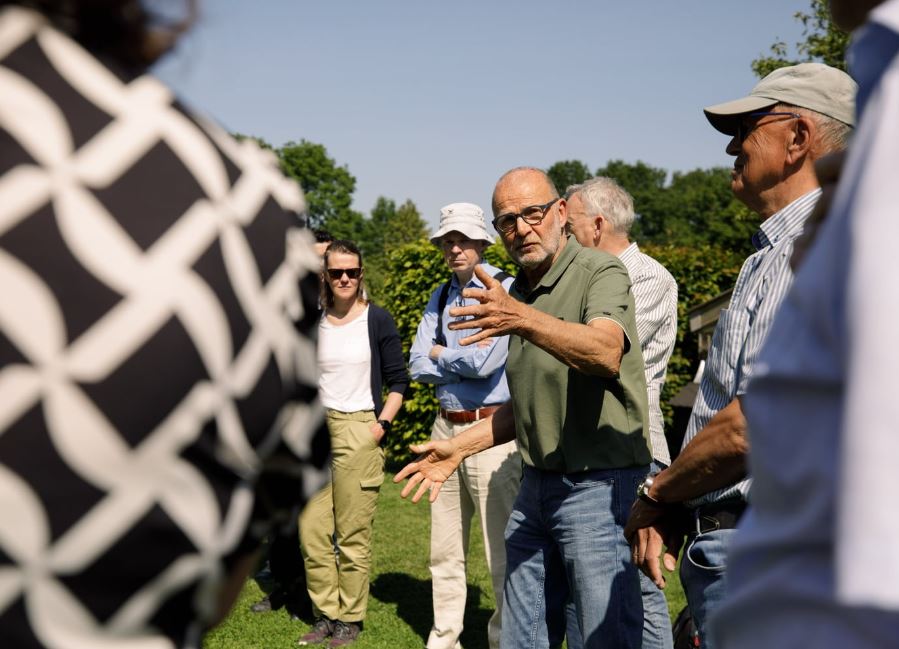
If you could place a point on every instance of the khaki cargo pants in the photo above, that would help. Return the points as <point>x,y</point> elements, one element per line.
<point>344,510</point>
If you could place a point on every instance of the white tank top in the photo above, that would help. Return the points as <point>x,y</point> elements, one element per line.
<point>344,361</point>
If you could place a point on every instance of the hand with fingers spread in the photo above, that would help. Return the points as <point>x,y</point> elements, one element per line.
<point>497,314</point>
<point>435,463</point>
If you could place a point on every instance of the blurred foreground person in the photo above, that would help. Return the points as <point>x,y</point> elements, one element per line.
<point>789,120</point>
<point>158,404</point>
<point>814,563</point>
<point>359,355</point>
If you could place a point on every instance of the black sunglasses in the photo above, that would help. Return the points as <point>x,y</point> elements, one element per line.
<point>337,273</point>
<point>532,215</point>
<point>743,130</point>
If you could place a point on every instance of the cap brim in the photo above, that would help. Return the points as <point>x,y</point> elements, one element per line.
<point>726,117</point>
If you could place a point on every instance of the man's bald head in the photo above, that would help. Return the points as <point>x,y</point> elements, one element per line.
<point>528,179</point>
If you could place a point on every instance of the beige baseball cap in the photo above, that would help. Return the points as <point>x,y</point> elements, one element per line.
<point>814,86</point>
<point>466,218</point>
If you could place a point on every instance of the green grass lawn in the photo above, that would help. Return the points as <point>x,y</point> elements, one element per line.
<point>399,609</point>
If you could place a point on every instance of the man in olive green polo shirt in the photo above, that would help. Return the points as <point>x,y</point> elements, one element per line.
<point>578,408</point>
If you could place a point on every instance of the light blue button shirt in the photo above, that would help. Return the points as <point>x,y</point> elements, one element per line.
<point>742,327</point>
<point>466,377</point>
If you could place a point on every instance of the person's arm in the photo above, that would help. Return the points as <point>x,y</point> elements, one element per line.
<point>714,459</point>
<point>592,348</point>
<point>393,371</point>
<point>423,365</point>
<point>438,459</point>
<point>475,361</point>
<point>392,405</point>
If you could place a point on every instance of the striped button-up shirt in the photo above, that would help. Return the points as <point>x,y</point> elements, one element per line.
<point>743,326</point>
<point>655,298</point>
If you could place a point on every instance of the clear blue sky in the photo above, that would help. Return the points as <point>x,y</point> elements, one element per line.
<point>433,101</point>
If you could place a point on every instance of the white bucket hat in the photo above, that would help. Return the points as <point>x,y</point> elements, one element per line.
<point>466,218</point>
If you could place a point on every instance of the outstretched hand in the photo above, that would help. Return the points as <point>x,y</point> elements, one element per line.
<point>434,465</point>
<point>497,314</point>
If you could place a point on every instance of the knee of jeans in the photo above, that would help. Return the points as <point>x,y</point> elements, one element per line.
<point>708,551</point>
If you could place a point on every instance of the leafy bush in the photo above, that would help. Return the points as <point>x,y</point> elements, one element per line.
<point>701,273</point>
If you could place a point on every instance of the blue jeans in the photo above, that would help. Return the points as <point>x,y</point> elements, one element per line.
<point>702,572</point>
<point>656,620</point>
<point>565,539</point>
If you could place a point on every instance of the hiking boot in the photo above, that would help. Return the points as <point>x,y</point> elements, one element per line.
<point>344,633</point>
<point>321,631</point>
<point>264,605</point>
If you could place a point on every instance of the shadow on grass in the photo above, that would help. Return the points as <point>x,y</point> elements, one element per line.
<point>413,599</point>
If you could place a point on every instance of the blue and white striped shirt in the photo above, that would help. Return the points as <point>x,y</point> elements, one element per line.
<point>655,299</point>
<point>743,326</point>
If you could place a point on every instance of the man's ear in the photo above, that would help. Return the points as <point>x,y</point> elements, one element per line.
<point>563,213</point>
<point>598,222</point>
<point>801,140</point>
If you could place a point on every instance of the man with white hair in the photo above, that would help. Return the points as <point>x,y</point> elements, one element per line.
<point>789,120</point>
<point>471,385</point>
<point>600,216</point>
<point>813,563</point>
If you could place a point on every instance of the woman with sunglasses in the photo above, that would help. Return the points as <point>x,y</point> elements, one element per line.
<point>359,353</point>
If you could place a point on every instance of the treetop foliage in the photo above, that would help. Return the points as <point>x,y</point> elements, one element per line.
<point>823,42</point>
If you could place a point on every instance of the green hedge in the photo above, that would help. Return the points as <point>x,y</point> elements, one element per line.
<point>413,272</point>
<point>701,273</point>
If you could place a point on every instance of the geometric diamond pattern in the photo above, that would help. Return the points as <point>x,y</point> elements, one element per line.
<point>157,363</point>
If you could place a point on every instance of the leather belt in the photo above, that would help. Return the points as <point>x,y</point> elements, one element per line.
<point>468,416</point>
<point>719,516</point>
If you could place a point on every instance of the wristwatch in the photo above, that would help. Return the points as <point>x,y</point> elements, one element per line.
<point>385,426</point>
<point>643,491</point>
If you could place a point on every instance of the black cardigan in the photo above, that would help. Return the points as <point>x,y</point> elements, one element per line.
<point>386,355</point>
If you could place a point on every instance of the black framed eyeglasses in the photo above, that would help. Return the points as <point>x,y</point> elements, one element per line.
<point>532,215</point>
<point>337,273</point>
<point>743,130</point>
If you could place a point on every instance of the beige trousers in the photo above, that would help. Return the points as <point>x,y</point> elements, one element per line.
<point>345,510</point>
<point>485,484</point>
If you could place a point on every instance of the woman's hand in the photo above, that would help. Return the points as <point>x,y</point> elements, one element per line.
<point>377,432</point>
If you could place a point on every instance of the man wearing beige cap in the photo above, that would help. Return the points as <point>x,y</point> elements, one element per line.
<point>791,118</point>
<point>471,384</point>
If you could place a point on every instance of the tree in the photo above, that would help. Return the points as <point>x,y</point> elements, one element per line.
<point>258,140</point>
<point>822,41</point>
<point>567,173</point>
<point>388,228</point>
<point>327,186</point>
<point>703,211</point>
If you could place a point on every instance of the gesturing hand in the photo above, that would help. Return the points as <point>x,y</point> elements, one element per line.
<point>497,314</point>
<point>434,465</point>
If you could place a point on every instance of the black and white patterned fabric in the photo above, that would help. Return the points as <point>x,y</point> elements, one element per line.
<point>157,377</point>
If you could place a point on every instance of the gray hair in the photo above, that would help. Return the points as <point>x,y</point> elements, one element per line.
<point>833,135</point>
<point>602,195</point>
